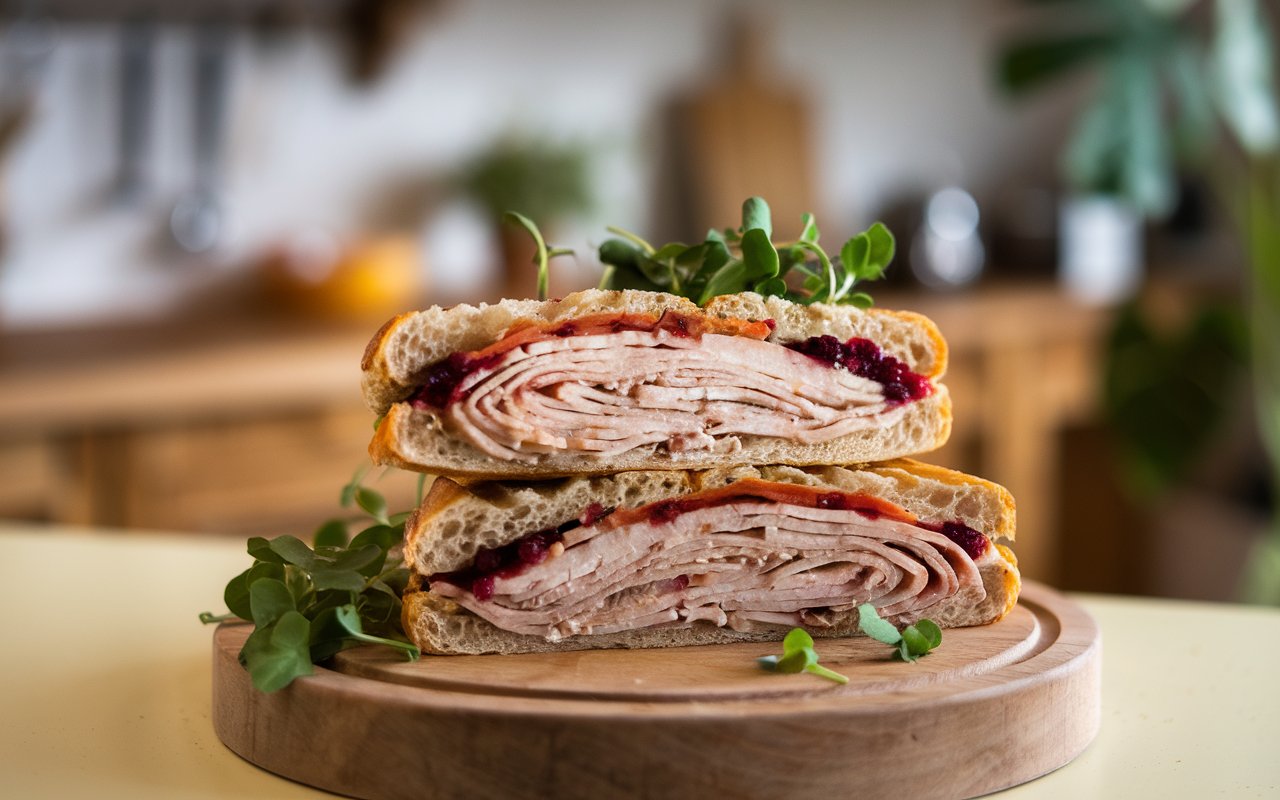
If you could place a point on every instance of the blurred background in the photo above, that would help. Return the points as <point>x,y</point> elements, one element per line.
<point>208,208</point>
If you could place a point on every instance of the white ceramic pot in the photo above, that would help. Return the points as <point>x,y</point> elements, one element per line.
<point>1099,248</point>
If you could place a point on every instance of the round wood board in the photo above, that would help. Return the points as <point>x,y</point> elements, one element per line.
<point>993,707</point>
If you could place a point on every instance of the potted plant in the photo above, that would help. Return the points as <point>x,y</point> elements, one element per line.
<point>1183,80</point>
<point>1152,105</point>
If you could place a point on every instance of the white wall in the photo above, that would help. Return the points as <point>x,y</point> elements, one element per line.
<point>904,91</point>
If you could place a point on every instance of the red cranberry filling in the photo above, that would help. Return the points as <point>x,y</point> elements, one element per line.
<point>515,557</point>
<point>969,540</point>
<point>440,388</point>
<point>865,359</point>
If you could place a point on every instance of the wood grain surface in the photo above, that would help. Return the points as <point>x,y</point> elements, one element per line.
<point>993,707</point>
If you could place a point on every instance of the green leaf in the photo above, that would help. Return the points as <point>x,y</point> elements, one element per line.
<point>260,549</point>
<point>809,228</point>
<point>619,254</point>
<point>655,271</point>
<point>670,251</point>
<point>384,536</point>
<point>771,287</point>
<point>298,584</point>
<point>373,504</point>
<point>397,579</point>
<point>728,279</point>
<point>346,580</point>
<point>859,299</point>
<point>799,656</point>
<point>915,641</point>
<point>758,256</point>
<point>904,653</point>
<point>931,632</point>
<point>797,660</point>
<point>269,600</point>
<point>875,627</point>
<point>236,595</point>
<point>328,636</point>
<point>358,557</point>
<point>823,282</point>
<point>294,551</point>
<point>277,654</point>
<point>797,639</point>
<point>756,216</point>
<point>377,421</point>
<point>700,264</point>
<point>208,617</point>
<point>422,485</point>
<point>332,533</point>
<point>881,253</point>
<point>855,253</point>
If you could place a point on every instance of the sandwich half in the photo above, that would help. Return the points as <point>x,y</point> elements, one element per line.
<point>603,381</point>
<point>671,558</point>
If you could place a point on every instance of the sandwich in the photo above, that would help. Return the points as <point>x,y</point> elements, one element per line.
<point>612,380</point>
<point>680,557</point>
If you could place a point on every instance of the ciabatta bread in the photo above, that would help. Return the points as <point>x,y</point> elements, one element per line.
<point>455,523</point>
<point>400,357</point>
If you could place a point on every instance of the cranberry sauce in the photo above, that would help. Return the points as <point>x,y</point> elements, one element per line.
<point>755,490</point>
<point>969,540</point>
<point>865,359</point>
<point>441,386</point>
<point>840,501</point>
<point>514,558</point>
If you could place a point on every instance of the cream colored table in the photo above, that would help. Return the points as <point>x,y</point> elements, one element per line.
<point>105,682</point>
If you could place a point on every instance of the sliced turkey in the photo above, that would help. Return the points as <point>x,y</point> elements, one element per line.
<point>606,387</point>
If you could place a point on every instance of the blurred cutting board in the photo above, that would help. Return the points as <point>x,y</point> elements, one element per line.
<point>744,132</point>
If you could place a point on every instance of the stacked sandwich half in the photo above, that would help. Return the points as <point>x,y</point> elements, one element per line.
<point>628,469</point>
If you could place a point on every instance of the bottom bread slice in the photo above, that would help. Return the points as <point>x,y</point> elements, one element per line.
<point>662,559</point>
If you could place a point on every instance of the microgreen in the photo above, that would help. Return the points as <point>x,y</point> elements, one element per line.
<point>747,259</point>
<point>911,642</point>
<point>308,602</point>
<point>798,655</point>
<point>543,255</point>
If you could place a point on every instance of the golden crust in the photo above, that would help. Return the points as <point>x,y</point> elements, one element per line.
<point>1008,525</point>
<point>1012,581</point>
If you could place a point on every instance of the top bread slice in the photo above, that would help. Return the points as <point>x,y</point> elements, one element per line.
<point>398,358</point>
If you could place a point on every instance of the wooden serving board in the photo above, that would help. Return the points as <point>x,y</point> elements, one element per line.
<point>993,707</point>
